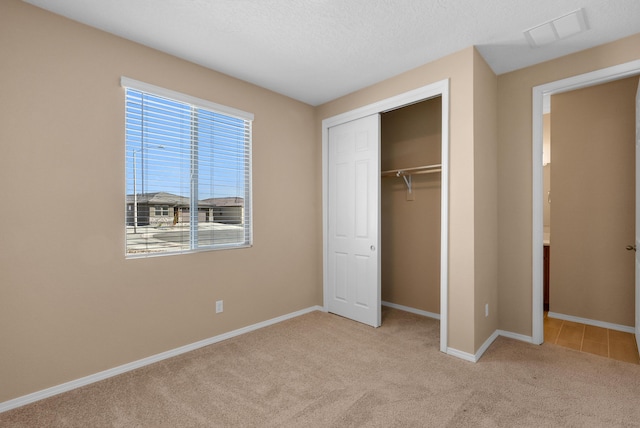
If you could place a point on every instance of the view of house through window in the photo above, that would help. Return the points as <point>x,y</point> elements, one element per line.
<point>188,176</point>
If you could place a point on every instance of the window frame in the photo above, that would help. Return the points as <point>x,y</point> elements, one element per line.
<point>197,103</point>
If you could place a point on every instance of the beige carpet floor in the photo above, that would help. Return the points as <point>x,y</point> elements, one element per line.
<point>320,370</point>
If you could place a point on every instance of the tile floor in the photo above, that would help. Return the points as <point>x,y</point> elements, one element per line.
<point>594,340</point>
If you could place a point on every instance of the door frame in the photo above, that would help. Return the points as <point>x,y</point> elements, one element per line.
<point>440,88</point>
<point>637,222</point>
<point>539,93</point>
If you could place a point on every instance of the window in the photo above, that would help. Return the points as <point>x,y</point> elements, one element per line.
<point>160,211</point>
<point>186,160</point>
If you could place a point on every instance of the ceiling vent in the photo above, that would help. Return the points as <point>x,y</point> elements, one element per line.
<point>557,29</point>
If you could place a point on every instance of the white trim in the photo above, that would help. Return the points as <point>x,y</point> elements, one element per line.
<point>537,238</point>
<point>412,310</point>
<point>516,336</point>
<point>576,82</point>
<point>444,221</point>
<point>480,352</point>
<point>401,100</point>
<point>96,377</point>
<point>637,221</point>
<point>440,88</point>
<point>596,323</point>
<point>486,345</point>
<point>462,355</point>
<point>126,82</point>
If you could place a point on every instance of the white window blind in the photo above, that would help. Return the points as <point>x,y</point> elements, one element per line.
<point>187,173</point>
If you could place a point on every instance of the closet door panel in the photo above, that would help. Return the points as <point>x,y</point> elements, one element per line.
<point>340,278</point>
<point>362,294</point>
<point>361,198</point>
<point>342,196</point>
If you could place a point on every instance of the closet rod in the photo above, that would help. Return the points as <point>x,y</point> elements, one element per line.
<point>426,169</point>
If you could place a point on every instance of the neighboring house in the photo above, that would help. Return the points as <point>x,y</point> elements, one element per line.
<point>223,210</point>
<point>162,208</point>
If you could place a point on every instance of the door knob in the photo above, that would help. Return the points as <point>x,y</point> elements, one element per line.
<point>631,247</point>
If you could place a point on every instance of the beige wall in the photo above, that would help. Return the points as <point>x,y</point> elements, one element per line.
<point>591,273</point>
<point>515,175</point>
<point>485,85</point>
<point>411,136</point>
<point>70,304</point>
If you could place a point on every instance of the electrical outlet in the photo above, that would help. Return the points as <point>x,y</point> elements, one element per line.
<point>219,306</point>
<point>486,310</point>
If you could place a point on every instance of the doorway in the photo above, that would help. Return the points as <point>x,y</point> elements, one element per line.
<point>592,139</point>
<point>438,89</point>
<point>539,92</point>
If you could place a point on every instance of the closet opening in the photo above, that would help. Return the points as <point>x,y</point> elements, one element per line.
<point>347,154</point>
<point>411,182</point>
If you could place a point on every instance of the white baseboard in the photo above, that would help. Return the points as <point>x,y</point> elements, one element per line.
<point>610,326</point>
<point>412,310</point>
<point>475,357</point>
<point>516,336</point>
<point>462,355</point>
<point>96,377</point>
<point>486,345</point>
<point>455,352</point>
<point>450,351</point>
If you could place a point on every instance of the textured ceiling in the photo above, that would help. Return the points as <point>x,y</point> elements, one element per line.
<point>319,50</point>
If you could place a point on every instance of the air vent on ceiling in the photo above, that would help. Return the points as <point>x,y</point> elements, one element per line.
<point>557,29</point>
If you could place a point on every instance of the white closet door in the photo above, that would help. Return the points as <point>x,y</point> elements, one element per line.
<point>353,220</point>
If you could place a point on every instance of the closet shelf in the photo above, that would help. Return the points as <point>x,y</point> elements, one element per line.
<point>408,172</point>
